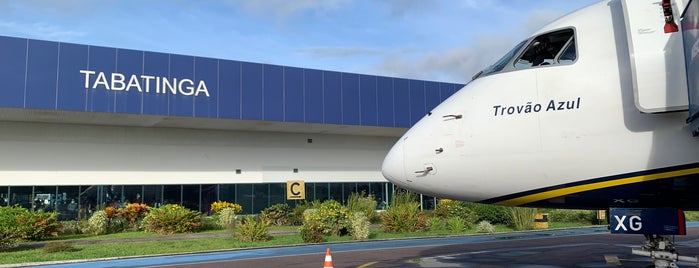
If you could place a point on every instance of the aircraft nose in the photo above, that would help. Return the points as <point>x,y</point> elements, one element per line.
<point>393,168</point>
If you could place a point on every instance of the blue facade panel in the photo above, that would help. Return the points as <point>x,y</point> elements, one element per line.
<point>386,102</point>
<point>206,74</point>
<point>102,61</point>
<point>42,72</point>
<point>273,93</point>
<point>182,86</point>
<point>368,97</point>
<point>156,65</point>
<point>127,94</point>
<point>313,96</point>
<point>332,97</point>
<point>401,100</point>
<point>293,94</point>
<point>350,99</point>
<point>252,91</point>
<point>49,75</point>
<point>432,95</point>
<point>13,52</point>
<point>71,87</point>
<point>417,101</point>
<point>230,83</point>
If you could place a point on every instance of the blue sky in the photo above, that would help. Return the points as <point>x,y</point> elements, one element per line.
<point>441,40</point>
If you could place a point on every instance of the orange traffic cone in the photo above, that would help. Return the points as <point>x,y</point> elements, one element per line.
<point>328,259</point>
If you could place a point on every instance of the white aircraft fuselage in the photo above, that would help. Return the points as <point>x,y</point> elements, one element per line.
<point>566,134</point>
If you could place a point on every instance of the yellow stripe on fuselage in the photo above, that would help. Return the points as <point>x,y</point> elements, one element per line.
<point>594,186</point>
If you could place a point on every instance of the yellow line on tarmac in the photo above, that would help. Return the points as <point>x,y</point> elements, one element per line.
<point>367,264</point>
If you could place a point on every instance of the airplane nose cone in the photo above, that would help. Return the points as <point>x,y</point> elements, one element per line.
<point>393,168</point>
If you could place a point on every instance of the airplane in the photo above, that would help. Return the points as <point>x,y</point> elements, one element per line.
<point>589,112</point>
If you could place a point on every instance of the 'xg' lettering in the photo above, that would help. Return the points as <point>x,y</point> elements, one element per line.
<point>635,223</point>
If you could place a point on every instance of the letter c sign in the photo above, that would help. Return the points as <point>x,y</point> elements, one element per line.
<point>295,190</point>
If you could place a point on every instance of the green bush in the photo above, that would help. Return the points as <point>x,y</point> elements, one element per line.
<point>227,218</point>
<point>360,202</point>
<point>456,224</point>
<point>490,213</point>
<point>252,230</point>
<point>10,229</point>
<point>39,225</point>
<point>330,216</point>
<point>98,223</point>
<point>170,219</point>
<point>211,223</point>
<point>278,214</point>
<point>359,226</point>
<point>403,217</point>
<point>311,232</point>
<point>72,227</point>
<point>522,218</point>
<point>485,227</point>
<point>435,224</point>
<point>573,216</point>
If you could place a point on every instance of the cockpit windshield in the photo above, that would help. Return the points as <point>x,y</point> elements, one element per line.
<point>551,48</point>
<point>502,62</point>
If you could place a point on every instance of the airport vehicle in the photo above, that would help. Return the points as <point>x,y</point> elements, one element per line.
<point>589,112</point>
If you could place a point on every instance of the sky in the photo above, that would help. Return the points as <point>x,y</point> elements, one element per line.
<point>437,40</point>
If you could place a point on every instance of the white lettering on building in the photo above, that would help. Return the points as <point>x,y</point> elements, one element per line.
<point>144,83</point>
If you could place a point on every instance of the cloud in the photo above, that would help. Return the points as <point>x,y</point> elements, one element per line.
<point>286,8</point>
<point>39,30</point>
<point>537,19</point>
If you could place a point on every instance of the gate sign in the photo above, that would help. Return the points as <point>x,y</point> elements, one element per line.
<point>657,221</point>
<point>295,190</point>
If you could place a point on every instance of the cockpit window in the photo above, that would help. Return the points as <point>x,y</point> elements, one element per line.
<point>502,62</point>
<point>552,48</point>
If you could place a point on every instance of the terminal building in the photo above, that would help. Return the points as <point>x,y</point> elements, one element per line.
<point>83,127</point>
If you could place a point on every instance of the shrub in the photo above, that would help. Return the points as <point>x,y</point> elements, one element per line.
<point>331,216</point>
<point>252,230</point>
<point>297,215</point>
<point>359,226</point>
<point>170,219</point>
<point>39,225</point>
<point>311,232</point>
<point>277,214</point>
<point>133,213</point>
<point>573,215</point>
<point>403,217</point>
<point>58,247</point>
<point>490,213</point>
<point>211,223</point>
<point>435,224</point>
<point>72,227</point>
<point>10,231</point>
<point>98,223</point>
<point>218,206</point>
<point>522,218</point>
<point>456,224</point>
<point>485,227</point>
<point>447,208</point>
<point>227,218</point>
<point>360,202</point>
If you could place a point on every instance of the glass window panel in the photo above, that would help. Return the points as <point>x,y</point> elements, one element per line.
<point>209,195</point>
<point>133,194</point>
<point>153,195</point>
<point>22,196</point>
<point>44,198</point>
<point>310,191</point>
<point>4,196</point>
<point>172,194</point>
<point>243,197</point>
<point>88,200</point>
<point>347,190</point>
<point>336,192</point>
<point>378,190</point>
<point>68,202</point>
<point>113,195</point>
<point>190,196</point>
<point>428,202</point>
<point>277,193</point>
<point>363,188</point>
<point>226,192</point>
<point>322,192</point>
<point>261,197</point>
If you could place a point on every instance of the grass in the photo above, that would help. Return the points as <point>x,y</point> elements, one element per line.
<point>228,242</point>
